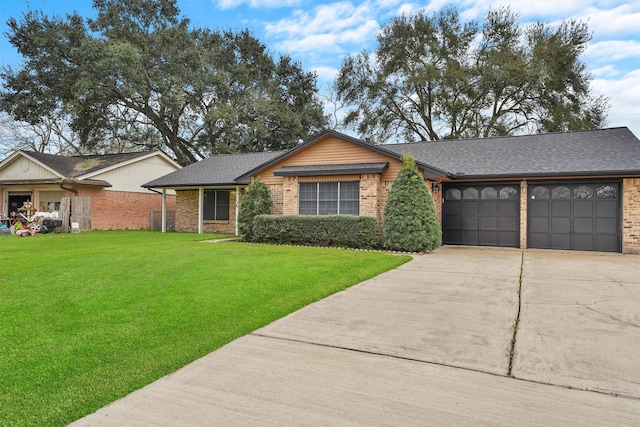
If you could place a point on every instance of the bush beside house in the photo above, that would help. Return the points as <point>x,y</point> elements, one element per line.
<point>348,231</point>
<point>256,201</point>
<point>410,219</point>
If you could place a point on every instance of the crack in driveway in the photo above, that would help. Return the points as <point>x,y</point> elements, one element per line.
<point>609,316</point>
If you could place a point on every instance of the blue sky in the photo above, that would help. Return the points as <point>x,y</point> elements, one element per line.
<point>321,33</point>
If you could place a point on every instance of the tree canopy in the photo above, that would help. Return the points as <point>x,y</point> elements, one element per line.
<point>435,76</point>
<point>139,72</point>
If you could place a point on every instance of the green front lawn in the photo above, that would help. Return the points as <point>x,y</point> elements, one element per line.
<point>87,318</point>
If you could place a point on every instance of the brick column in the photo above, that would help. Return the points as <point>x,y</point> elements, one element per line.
<point>290,195</point>
<point>369,195</point>
<point>523,214</point>
<point>631,215</point>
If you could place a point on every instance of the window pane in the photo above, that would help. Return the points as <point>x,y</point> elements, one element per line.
<point>470,193</point>
<point>328,207</point>
<point>453,194</point>
<point>328,191</point>
<point>349,198</point>
<point>508,193</point>
<point>209,205</point>
<point>606,192</point>
<point>222,205</point>
<point>539,193</point>
<point>489,193</point>
<point>350,190</point>
<point>561,193</point>
<point>308,198</point>
<point>349,207</point>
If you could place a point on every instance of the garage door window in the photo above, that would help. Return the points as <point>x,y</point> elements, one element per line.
<point>453,194</point>
<point>561,193</point>
<point>539,193</point>
<point>489,193</point>
<point>583,192</point>
<point>470,194</point>
<point>507,193</point>
<point>606,192</point>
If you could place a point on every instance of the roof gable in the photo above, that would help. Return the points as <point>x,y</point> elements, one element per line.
<point>330,135</point>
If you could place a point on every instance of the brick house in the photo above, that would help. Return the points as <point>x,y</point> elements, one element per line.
<point>575,190</point>
<point>113,182</point>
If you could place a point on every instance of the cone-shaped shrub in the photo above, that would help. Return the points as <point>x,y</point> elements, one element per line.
<point>256,201</point>
<point>410,220</point>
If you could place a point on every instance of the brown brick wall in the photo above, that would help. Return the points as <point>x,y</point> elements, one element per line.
<point>115,210</point>
<point>187,215</point>
<point>631,215</point>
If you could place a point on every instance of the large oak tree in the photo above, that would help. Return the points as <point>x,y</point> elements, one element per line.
<point>435,76</point>
<point>140,72</point>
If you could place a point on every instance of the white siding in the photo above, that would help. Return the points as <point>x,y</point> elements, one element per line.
<point>23,168</point>
<point>130,177</point>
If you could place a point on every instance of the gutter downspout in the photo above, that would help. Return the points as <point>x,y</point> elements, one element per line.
<point>200,209</point>
<point>237,208</point>
<point>164,210</point>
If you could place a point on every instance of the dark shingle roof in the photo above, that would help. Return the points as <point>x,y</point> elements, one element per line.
<point>216,170</point>
<point>594,152</point>
<point>74,166</point>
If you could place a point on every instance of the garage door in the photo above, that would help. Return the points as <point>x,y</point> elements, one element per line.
<point>482,215</point>
<point>579,216</point>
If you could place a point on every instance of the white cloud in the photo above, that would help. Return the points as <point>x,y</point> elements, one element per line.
<point>256,4</point>
<point>325,28</point>
<point>624,94</point>
<point>613,50</point>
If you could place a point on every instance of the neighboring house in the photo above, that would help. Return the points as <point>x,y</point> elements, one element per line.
<point>112,181</point>
<point>575,190</point>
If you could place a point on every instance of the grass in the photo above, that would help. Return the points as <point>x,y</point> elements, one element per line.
<point>87,318</point>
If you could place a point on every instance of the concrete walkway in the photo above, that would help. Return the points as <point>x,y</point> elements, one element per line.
<point>427,344</point>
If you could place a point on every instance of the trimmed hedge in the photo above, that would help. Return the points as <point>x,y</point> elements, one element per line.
<point>348,231</point>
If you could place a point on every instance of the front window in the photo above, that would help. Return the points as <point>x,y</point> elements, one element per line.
<point>329,198</point>
<point>216,205</point>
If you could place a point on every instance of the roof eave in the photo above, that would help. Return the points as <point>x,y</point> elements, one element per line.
<point>616,173</point>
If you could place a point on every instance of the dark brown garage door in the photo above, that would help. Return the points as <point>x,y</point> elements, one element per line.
<point>580,216</point>
<point>482,215</point>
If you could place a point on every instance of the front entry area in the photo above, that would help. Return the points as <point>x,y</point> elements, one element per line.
<point>481,214</point>
<point>576,216</point>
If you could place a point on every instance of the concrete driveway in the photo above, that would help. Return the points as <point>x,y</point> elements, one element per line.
<point>428,343</point>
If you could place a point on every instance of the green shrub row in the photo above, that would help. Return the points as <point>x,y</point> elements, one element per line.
<point>348,231</point>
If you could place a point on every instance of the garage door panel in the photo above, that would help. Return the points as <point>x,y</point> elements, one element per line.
<point>509,238</point>
<point>538,208</point>
<point>561,225</point>
<point>469,208</point>
<point>583,242</point>
<point>607,225</point>
<point>470,222</point>
<point>488,223</point>
<point>583,225</point>
<point>470,237</point>
<point>583,208</point>
<point>539,224</point>
<point>509,207</point>
<point>488,238</point>
<point>607,243</point>
<point>560,241</point>
<point>451,222</point>
<point>607,208</point>
<point>452,208</point>
<point>509,223</point>
<point>454,236</point>
<point>561,207</point>
<point>538,240</point>
<point>488,208</point>
<point>579,215</point>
